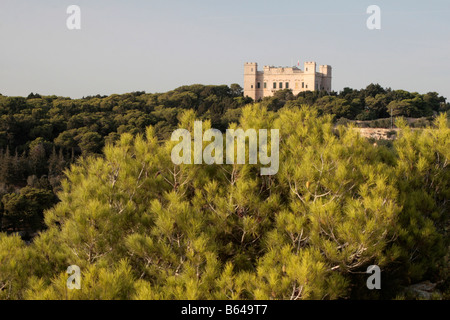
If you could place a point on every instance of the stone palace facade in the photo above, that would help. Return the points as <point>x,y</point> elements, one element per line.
<point>260,84</point>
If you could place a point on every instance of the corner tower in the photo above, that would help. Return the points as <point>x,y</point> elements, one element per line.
<point>310,76</point>
<point>326,77</point>
<point>250,71</point>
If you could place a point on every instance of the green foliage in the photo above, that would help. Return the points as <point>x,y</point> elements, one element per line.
<point>40,136</point>
<point>14,271</point>
<point>26,209</point>
<point>424,185</point>
<point>140,227</point>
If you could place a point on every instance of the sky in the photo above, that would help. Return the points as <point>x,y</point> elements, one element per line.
<point>157,46</point>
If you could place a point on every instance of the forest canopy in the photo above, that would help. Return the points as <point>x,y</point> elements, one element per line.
<point>140,227</point>
<point>41,136</point>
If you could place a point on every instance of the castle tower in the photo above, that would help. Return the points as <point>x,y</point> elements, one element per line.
<point>250,70</point>
<point>310,76</point>
<point>326,72</point>
<point>310,67</point>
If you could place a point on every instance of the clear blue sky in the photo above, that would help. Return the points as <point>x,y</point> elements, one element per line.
<point>156,46</point>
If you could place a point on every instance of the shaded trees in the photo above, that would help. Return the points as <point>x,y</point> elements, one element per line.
<point>25,210</point>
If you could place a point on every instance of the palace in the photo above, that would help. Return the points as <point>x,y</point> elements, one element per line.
<point>260,84</point>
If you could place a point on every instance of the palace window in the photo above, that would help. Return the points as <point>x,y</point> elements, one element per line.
<point>252,86</point>
<point>259,85</point>
<point>281,85</point>
<point>274,85</point>
<point>287,85</point>
<point>265,85</point>
<point>296,85</point>
<point>303,85</point>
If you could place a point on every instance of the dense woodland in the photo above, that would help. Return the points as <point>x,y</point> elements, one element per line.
<point>89,182</point>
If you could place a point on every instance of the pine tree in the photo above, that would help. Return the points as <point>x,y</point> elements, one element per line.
<point>141,227</point>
